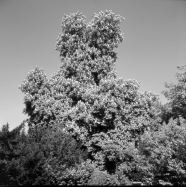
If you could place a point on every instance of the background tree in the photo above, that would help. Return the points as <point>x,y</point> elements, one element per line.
<point>176,95</point>
<point>23,158</point>
<point>164,151</point>
<point>11,144</point>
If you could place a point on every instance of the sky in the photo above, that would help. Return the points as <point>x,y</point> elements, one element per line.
<point>154,44</point>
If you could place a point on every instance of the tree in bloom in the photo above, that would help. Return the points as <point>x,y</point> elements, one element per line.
<point>86,99</point>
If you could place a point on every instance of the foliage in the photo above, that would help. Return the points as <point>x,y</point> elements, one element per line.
<point>77,175</point>
<point>23,158</point>
<point>103,178</point>
<point>165,151</point>
<point>11,143</point>
<point>176,94</point>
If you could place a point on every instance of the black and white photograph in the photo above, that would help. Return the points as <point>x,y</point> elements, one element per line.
<point>93,92</point>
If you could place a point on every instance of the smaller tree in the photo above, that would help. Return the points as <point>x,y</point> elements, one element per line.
<point>164,151</point>
<point>11,144</point>
<point>176,95</point>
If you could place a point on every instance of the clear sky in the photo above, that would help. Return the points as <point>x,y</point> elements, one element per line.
<point>154,45</point>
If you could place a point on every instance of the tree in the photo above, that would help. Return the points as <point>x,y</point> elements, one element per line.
<point>164,151</point>
<point>176,95</point>
<point>11,144</point>
<point>23,159</point>
<point>53,145</point>
<point>86,99</point>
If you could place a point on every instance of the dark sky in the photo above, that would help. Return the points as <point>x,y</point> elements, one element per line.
<point>154,45</point>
